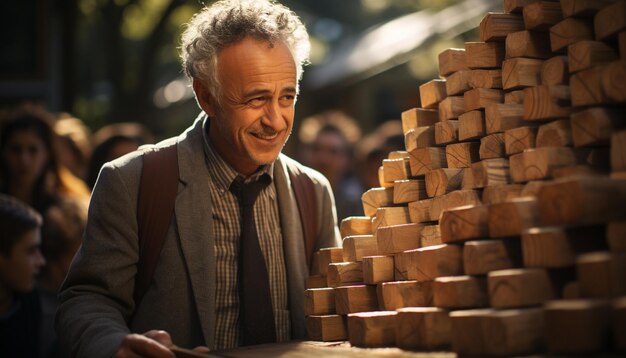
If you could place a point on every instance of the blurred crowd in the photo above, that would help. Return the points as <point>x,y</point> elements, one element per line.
<point>48,165</point>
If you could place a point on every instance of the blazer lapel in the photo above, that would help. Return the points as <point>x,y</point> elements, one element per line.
<point>193,218</point>
<point>293,247</point>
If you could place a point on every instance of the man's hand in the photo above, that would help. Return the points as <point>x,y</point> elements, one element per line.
<point>150,344</point>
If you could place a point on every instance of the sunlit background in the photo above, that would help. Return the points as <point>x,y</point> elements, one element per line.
<point>109,61</point>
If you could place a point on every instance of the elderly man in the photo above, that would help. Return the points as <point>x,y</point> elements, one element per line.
<point>211,284</point>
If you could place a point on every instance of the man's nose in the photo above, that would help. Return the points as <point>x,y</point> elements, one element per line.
<point>273,115</point>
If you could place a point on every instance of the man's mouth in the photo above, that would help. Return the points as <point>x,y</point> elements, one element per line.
<point>266,136</point>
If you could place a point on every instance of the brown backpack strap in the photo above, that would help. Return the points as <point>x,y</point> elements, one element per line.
<point>304,190</point>
<point>155,207</point>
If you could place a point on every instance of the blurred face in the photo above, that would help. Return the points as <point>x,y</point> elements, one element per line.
<point>255,118</point>
<point>328,155</point>
<point>25,155</point>
<point>19,269</point>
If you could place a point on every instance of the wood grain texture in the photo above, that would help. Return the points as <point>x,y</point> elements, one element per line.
<point>610,20</point>
<point>355,225</point>
<point>377,269</point>
<point>479,98</point>
<point>451,60</point>
<point>514,288</point>
<point>613,78</point>
<point>500,193</point>
<point>428,263</point>
<point>358,246</point>
<point>585,54</point>
<point>372,329</point>
<point>327,328</point>
<point>451,107</point>
<point>442,181</point>
<point>569,31</point>
<point>462,155</point>
<point>485,79</point>
<point>541,15</point>
<point>555,247</point>
<point>555,134</point>
<point>495,26</point>
<point>406,191</point>
<point>539,163</point>
<point>472,125</point>
<point>517,140</point>
<point>530,44</point>
<point>464,223</point>
<point>418,117</point>
<point>423,160</point>
<point>423,328</point>
<point>399,294</point>
<point>601,274</point>
<point>397,238</point>
<point>547,102</point>
<point>500,117</point>
<point>319,301</point>
<point>492,146</point>
<point>397,169</point>
<point>555,71</point>
<point>513,218</point>
<point>446,132</point>
<point>460,292</point>
<point>432,92</point>
<point>483,256</point>
<point>344,273</point>
<point>458,82</point>
<point>521,72</point>
<point>484,54</point>
<point>583,8</point>
<point>376,198</point>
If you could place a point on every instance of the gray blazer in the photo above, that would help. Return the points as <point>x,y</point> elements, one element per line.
<point>96,301</point>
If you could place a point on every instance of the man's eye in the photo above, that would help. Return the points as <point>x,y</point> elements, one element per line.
<point>256,100</point>
<point>288,98</point>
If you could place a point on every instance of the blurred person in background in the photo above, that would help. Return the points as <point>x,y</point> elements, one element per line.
<point>113,141</point>
<point>29,169</point>
<point>374,148</point>
<point>74,144</point>
<point>25,324</point>
<point>328,140</point>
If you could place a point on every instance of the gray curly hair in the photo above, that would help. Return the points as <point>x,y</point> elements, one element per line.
<point>226,22</point>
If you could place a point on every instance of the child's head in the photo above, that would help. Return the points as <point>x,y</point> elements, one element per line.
<point>20,258</point>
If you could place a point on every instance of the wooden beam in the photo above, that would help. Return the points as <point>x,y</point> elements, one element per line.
<point>431,236</point>
<point>484,54</point>
<point>513,218</point>
<point>586,88</point>
<point>487,332</point>
<point>539,163</point>
<point>520,73</point>
<point>398,238</point>
<point>398,154</point>
<point>381,179</point>
<point>376,198</point>
<point>613,78</point>
<point>541,15</point>
<point>406,191</point>
<point>356,225</point>
<point>459,292</point>
<point>582,200</point>
<point>492,146</point>
<point>500,117</point>
<point>451,107</point>
<point>423,160</point>
<point>609,21</point>
<point>397,169</point>
<point>601,274</point>
<point>432,92</point>
<point>327,256</point>
<point>399,267</point>
<point>327,328</point>
<point>515,6</point>
<point>530,44</point>
<point>517,140</point>
<point>418,117</point>
<point>495,26</point>
<point>462,155</point>
<point>547,102</point>
<point>423,328</point>
<point>471,125</point>
<point>585,54</point>
<point>577,326</point>
<point>479,98</point>
<point>401,294</point>
<point>482,256</point>
<point>452,200</point>
<point>569,31</point>
<point>490,172</point>
<point>555,247</point>
<point>594,126</point>
<point>372,329</point>
<point>446,132</point>
<point>315,281</point>
<point>419,211</point>
<point>618,151</point>
<point>428,263</point>
<point>555,71</point>
<point>491,79</point>
<point>442,181</point>
<point>458,82</point>
<point>555,134</point>
<point>344,273</point>
<point>356,247</point>
<point>513,288</point>
<point>583,8</point>
<point>514,97</point>
<point>420,137</point>
<point>500,193</point>
<point>356,298</point>
<point>390,216</point>
<point>377,269</point>
<point>451,60</point>
<point>319,301</point>
<point>464,223</point>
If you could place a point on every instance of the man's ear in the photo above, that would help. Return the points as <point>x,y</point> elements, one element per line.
<point>205,100</point>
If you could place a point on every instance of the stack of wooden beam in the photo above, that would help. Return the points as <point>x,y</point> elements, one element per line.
<point>501,230</point>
